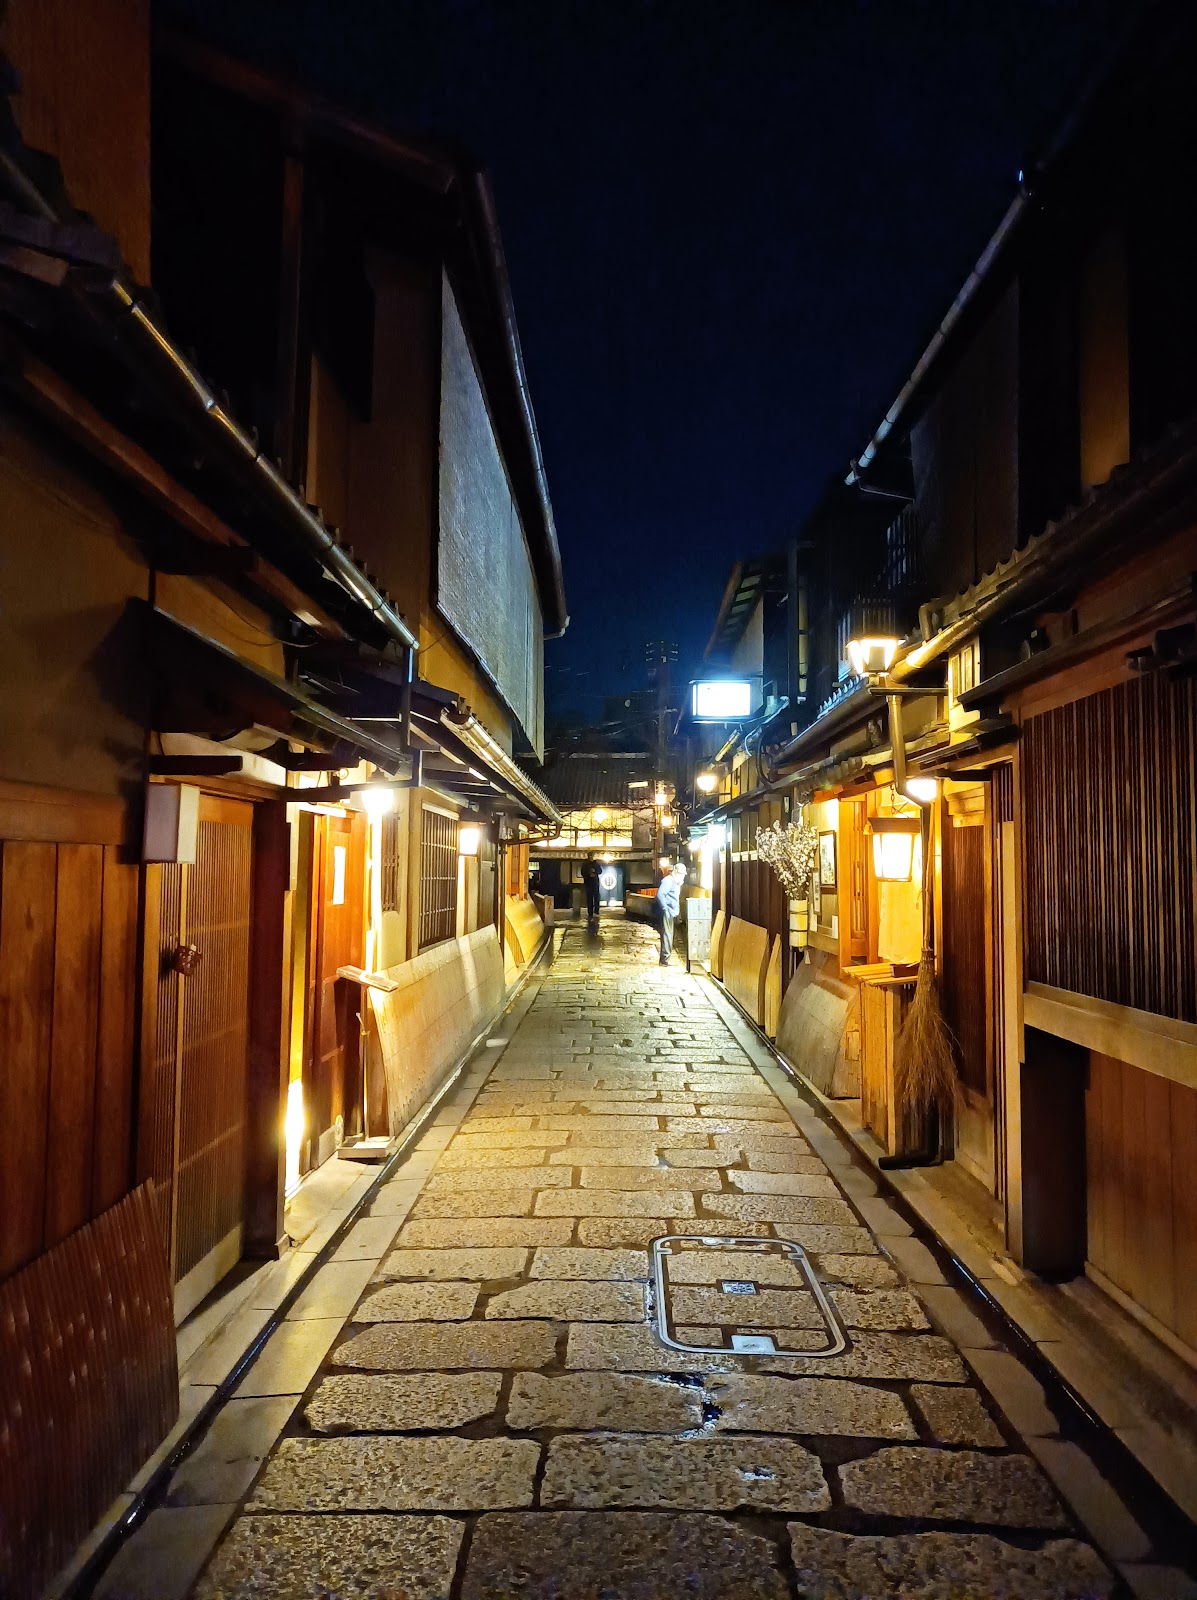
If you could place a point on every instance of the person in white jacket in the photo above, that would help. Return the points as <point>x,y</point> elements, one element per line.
<point>669,899</point>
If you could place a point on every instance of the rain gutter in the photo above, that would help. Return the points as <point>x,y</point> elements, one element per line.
<point>487,748</point>
<point>148,346</point>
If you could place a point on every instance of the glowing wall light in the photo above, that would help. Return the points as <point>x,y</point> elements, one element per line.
<point>469,837</point>
<point>378,800</point>
<point>923,790</point>
<point>294,1127</point>
<point>599,815</point>
<point>707,782</point>
<point>667,820</point>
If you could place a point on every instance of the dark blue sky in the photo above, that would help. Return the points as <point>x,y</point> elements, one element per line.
<point>729,227</point>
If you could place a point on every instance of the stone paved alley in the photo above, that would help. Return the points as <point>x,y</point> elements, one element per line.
<point>470,1400</point>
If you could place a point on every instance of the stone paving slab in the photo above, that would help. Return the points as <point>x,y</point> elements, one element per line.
<point>752,1404</point>
<point>390,1474</point>
<point>412,1346</point>
<point>399,1403</point>
<point>310,1557</point>
<point>487,1265</point>
<point>494,1202</point>
<point>572,1301</point>
<point>779,1208</point>
<point>918,1357</point>
<point>683,1474</point>
<point>419,1302</point>
<point>626,1347</point>
<point>619,1556</point>
<point>608,1400</point>
<point>613,1203</point>
<point>942,1566</point>
<point>628,1266</point>
<point>956,1416</point>
<point>483,1233</point>
<point>952,1486</point>
<point>647,1177</point>
<point>636,1233</point>
<point>490,1179</point>
<point>805,1184</point>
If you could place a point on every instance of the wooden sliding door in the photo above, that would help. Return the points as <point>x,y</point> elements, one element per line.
<point>195,1047</point>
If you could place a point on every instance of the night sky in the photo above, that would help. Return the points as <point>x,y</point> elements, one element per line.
<point>730,230</point>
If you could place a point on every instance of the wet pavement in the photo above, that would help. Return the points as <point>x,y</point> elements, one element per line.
<point>472,1399</point>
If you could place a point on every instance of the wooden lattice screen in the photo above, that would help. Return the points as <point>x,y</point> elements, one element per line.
<point>1109,821</point>
<point>390,863</point>
<point>438,878</point>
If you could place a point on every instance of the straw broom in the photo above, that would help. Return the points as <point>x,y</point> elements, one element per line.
<point>925,1078</point>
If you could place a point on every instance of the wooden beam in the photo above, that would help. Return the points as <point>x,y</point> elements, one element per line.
<point>70,412</point>
<point>194,766</point>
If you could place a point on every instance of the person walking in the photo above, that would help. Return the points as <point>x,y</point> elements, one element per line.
<point>590,879</point>
<point>669,899</point>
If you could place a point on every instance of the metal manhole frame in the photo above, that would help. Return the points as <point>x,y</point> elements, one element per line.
<point>834,1326</point>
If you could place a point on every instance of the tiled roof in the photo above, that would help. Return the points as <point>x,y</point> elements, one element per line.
<point>578,781</point>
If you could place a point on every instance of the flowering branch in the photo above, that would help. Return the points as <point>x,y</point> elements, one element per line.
<point>791,852</point>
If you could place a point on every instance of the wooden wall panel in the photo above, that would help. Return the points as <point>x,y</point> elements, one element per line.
<point>1141,1145</point>
<point>68,940</point>
<point>1110,818</point>
<point>965,954</point>
<point>73,1038</point>
<point>27,894</point>
<point>112,1169</point>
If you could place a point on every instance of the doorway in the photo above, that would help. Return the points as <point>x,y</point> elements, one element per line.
<point>331,1063</point>
<point>193,1105</point>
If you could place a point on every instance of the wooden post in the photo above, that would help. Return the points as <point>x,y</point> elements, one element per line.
<point>265,1149</point>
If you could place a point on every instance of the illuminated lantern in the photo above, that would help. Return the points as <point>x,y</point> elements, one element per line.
<point>894,840</point>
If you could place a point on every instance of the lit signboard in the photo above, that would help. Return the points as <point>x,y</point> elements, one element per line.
<point>722,699</point>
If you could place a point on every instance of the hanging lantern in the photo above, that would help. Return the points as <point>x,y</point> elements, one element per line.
<point>894,840</point>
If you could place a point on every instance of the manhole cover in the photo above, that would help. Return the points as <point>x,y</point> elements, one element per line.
<point>773,1305</point>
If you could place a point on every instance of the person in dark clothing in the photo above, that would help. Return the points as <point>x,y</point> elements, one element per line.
<point>590,881</point>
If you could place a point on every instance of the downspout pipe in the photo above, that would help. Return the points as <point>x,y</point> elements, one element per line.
<point>138,327</point>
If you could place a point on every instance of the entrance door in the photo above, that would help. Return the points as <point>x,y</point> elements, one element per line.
<point>332,1090</point>
<point>968,977</point>
<point>191,1129</point>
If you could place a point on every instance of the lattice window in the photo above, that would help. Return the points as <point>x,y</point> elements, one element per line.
<point>438,878</point>
<point>390,863</point>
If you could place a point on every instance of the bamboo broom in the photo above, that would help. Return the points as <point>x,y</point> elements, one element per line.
<point>925,1078</point>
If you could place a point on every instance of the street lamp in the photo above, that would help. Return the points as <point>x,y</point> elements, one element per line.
<point>706,782</point>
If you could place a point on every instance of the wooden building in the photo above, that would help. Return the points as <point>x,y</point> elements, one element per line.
<point>277,562</point>
<point>1033,498</point>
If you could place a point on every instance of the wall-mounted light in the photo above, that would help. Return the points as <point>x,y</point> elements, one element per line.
<point>294,1128</point>
<point>665,864</point>
<point>600,814</point>
<point>661,798</point>
<point>923,791</point>
<point>707,782</point>
<point>667,820</point>
<point>469,837</point>
<point>377,801</point>
<point>893,847</point>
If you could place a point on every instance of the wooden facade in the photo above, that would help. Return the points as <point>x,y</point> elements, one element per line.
<point>208,630</point>
<point>1039,478</point>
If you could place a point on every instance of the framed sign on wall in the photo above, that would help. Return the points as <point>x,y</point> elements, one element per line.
<point>827,860</point>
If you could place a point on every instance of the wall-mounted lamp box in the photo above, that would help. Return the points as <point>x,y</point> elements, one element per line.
<point>469,837</point>
<point>171,822</point>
